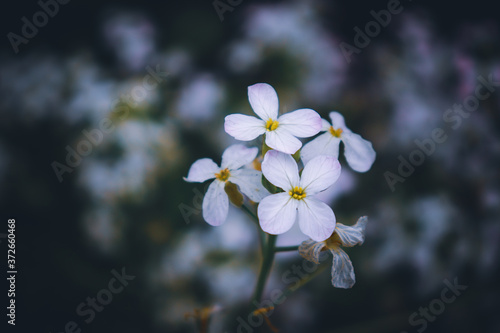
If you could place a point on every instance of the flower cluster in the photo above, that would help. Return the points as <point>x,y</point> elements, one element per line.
<point>284,193</point>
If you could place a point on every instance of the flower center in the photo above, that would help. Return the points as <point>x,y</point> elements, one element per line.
<point>297,193</point>
<point>333,242</point>
<point>336,132</point>
<point>223,175</point>
<point>271,125</point>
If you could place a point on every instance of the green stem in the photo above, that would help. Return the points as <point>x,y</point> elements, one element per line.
<point>286,248</point>
<point>265,268</point>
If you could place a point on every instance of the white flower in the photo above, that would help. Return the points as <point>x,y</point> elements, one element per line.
<point>278,212</point>
<point>358,152</point>
<point>342,270</point>
<point>281,132</point>
<point>216,202</point>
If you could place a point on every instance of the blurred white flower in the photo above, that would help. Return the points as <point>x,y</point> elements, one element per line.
<point>346,236</point>
<point>200,99</point>
<point>281,132</point>
<point>216,201</point>
<point>358,152</point>
<point>278,212</point>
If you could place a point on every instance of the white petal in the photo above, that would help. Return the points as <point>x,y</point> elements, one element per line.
<point>338,121</point>
<point>311,250</point>
<point>325,144</point>
<point>236,156</point>
<point>358,152</point>
<point>354,235</point>
<point>282,140</point>
<point>316,219</point>
<point>319,174</point>
<point>280,169</point>
<point>325,125</point>
<point>277,213</point>
<point>264,101</point>
<point>250,183</point>
<point>215,204</point>
<point>202,170</point>
<point>342,270</point>
<point>301,123</point>
<point>244,128</point>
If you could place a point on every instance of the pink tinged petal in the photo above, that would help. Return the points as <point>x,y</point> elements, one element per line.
<point>301,123</point>
<point>283,141</point>
<point>316,219</point>
<point>215,204</point>
<point>354,235</point>
<point>202,170</point>
<point>319,174</point>
<point>236,156</point>
<point>325,125</point>
<point>325,144</point>
<point>358,152</point>
<point>280,169</point>
<point>311,250</point>
<point>244,128</point>
<point>277,213</point>
<point>250,183</point>
<point>338,121</point>
<point>342,270</point>
<point>264,101</point>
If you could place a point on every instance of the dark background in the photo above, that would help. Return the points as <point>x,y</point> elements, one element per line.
<point>441,223</point>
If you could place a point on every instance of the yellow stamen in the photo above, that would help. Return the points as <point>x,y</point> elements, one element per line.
<point>336,132</point>
<point>297,193</point>
<point>223,175</point>
<point>271,125</point>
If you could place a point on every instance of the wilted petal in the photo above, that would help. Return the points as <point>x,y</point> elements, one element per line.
<point>338,121</point>
<point>277,213</point>
<point>215,204</point>
<point>250,183</point>
<point>342,270</point>
<point>311,250</point>
<point>280,169</point>
<point>354,235</point>
<point>302,123</point>
<point>316,219</point>
<point>358,152</point>
<point>202,170</point>
<point>236,156</point>
<point>244,128</point>
<point>319,174</point>
<point>282,140</point>
<point>264,101</point>
<point>325,144</point>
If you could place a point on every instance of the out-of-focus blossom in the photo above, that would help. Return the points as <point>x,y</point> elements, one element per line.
<point>294,28</point>
<point>358,152</point>
<point>216,201</point>
<point>200,99</point>
<point>131,37</point>
<point>278,212</point>
<point>281,132</point>
<point>346,236</point>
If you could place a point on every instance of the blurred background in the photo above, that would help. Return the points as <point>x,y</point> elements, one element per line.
<point>105,105</point>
